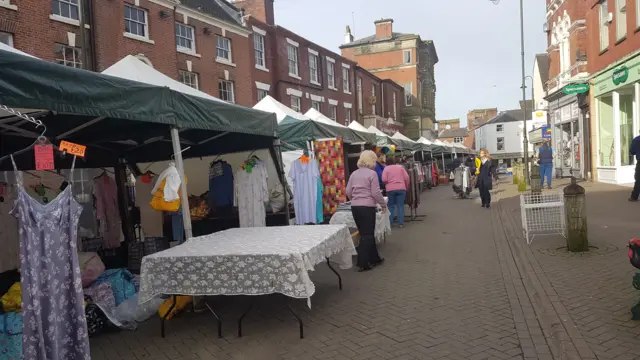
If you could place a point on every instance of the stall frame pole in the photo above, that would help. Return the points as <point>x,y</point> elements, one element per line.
<point>184,201</point>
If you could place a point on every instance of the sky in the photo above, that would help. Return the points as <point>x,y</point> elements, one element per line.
<point>478,43</point>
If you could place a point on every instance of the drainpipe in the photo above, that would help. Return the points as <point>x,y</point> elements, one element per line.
<point>83,35</point>
<point>92,35</point>
<point>382,100</point>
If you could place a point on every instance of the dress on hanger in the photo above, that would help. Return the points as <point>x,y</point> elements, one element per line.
<point>52,300</point>
<point>106,193</point>
<point>305,177</point>
<point>251,194</point>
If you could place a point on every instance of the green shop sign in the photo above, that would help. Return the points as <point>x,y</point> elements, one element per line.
<point>620,75</point>
<point>575,89</point>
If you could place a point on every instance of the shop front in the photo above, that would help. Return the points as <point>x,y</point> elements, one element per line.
<point>616,94</point>
<point>567,119</point>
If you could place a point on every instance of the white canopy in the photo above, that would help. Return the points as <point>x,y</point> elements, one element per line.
<point>132,68</point>
<point>8,48</point>
<point>316,115</point>
<point>425,141</point>
<point>374,130</point>
<point>357,127</point>
<point>399,136</point>
<point>271,105</point>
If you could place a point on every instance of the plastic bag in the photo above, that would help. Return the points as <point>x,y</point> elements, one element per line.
<point>276,198</point>
<point>91,267</point>
<point>12,300</point>
<point>130,310</point>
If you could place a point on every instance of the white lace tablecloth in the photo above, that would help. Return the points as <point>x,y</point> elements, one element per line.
<point>246,261</point>
<point>383,223</point>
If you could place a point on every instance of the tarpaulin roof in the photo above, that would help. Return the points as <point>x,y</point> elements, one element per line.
<point>269,104</point>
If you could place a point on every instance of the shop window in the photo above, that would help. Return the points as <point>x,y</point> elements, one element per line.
<point>499,128</point>
<point>223,49</point>
<point>65,8</point>
<point>621,19</point>
<point>331,74</point>
<point>605,131</point>
<point>6,39</point>
<point>262,94</point>
<point>185,40</point>
<point>68,56</point>
<point>188,78</point>
<point>500,144</point>
<point>292,54</point>
<point>258,46</point>
<point>316,105</point>
<point>295,103</point>
<point>135,21</point>
<point>226,91</point>
<point>313,68</point>
<point>626,126</point>
<point>604,25</point>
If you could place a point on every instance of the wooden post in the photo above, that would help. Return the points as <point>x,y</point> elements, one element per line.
<point>575,207</point>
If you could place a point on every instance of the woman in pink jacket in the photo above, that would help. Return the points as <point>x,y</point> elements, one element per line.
<point>396,180</point>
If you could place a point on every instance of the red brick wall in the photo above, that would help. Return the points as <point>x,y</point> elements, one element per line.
<point>577,11</point>
<point>387,99</point>
<point>271,62</point>
<point>597,60</point>
<point>384,30</point>
<point>261,10</point>
<point>368,82</point>
<point>378,60</point>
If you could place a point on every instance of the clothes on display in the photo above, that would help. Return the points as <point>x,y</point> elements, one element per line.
<point>107,212</point>
<point>251,193</point>
<point>304,174</point>
<point>150,219</point>
<point>10,254</point>
<point>220,185</point>
<point>330,156</point>
<point>51,272</point>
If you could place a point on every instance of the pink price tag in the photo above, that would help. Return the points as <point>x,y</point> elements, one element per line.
<point>44,157</point>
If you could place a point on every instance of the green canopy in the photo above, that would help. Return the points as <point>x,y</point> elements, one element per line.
<point>296,133</point>
<point>121,118</point>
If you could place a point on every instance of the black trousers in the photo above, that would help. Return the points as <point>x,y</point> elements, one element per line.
<point>365,218</point>
<point>485,195</point>
<point>636,186</point>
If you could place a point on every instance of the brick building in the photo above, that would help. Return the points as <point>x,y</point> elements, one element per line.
<point>405,59</point>
<point>450,130</point>
<point>475,119</point>
<point>378,102</point>
<point>566,30</point>
<point>202,43</point>
<point>614,62</point>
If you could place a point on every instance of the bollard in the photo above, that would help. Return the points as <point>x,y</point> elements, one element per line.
<point>575,209</point>
<point>536,186</point>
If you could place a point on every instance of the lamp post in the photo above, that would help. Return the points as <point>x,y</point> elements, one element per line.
<point>524,90</point>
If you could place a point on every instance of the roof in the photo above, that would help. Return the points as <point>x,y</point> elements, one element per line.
<point>372,39</point>
<point>543,68</point>
<point>306,42</point>
<point>508,116</point>
<point>452,133</point>
<point>219,9</point>
<point>271,105</point>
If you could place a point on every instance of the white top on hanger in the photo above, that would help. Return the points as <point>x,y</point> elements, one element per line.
<point>172,186</point>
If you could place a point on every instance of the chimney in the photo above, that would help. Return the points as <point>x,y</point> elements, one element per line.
<point>348,37</point>
<point>258,9</point>
<point>384,28</point>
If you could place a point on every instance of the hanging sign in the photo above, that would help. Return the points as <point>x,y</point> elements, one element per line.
<point>44,157</point>
<point>575,89</point>
<point>621,75</point>
<point>73,149</point>
<point>546,132</point>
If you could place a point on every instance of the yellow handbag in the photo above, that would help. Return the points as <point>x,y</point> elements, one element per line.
<point>12,300</point>
<point>158,202</point>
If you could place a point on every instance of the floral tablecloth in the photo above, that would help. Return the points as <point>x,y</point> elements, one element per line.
<point>246,261</point>
<point>383,223</point>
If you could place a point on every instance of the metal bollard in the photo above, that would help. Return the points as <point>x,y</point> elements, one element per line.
<point>536,186</point>
<point>575,209</point>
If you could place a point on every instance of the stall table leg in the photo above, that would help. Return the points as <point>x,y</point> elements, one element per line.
<point>335,272</point>
<point>164,317</point>
<point>300,324</point>
<point>243,316</point>
<point>217,318</point>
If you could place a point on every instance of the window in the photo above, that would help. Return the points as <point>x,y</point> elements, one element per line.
<point>223,49</point>
<point>184,38</point>
<point>606,129</point>
<point>188,78</point>
<point>604,25</point>
<point>359,85</point>
<point>621,19</point>
<point>313,67</point>
<point>65,8</point>
<point>406,56</point>
<point>262,94</point>
<point>347,116</point>
<point>408,94</point>
<point>637,14</point>
<point>626,126</point>
<point>458,139</point>
<point>6,39</point>
<point>331,74</point>
<point>333,112</point>
<point>499,128</point>
<point>258,46</point>
<point>500,144</point>
<point>292,55</point>
<point>135,21</point>
<point>395,107</point>
<point>226,90</point>
<point>373,104</point>
<point>68,56</point>
<point>345,80</point>
<point>295,103</point>
<point>316,105</point>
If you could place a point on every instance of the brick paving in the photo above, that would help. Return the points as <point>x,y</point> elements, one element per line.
<point>462,284</point>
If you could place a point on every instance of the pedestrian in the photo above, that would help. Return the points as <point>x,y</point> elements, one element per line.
<point>545,161</point>
<point>635,151</point>
<point>396,181</point>
<point>364,191</point>
<point>484,182</point>
<point>380,164</point>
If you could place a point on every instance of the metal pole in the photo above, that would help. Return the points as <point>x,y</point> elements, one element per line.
<point>524,96</point>
<point>184,196</point>
<point>83,32</point>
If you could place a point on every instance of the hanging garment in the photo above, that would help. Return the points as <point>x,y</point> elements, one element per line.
<point>251,194</point>
<point>319,207</point>
<point>10,254</point>
<point>108,213</point>
<point>51,307</point>
<point>220,184</point>
<point>305,190</point>
<point>11,336</point>
<point>83,190</point>
<point>150,219</point>
<point>330,155</point>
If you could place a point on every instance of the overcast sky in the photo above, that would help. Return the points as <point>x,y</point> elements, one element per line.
<point>478,43</point>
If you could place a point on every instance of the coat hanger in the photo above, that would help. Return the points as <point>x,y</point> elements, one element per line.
<point>31,119</point>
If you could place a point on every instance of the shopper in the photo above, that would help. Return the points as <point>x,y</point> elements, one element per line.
<point>380,164</point>
<point>635,150</point>
<point>484,182</point>
<point>364,191</point>
<point>396,181</point>
<point>545,161</point>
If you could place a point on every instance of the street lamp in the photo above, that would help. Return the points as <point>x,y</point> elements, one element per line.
<point>524,89</point>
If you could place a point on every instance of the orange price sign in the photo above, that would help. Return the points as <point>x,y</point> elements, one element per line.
<point>73,149</point>
<point>44,157</point>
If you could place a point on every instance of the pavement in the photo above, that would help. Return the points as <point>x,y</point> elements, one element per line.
<point>460,284</point>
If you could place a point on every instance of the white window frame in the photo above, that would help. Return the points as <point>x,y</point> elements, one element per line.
<point>407,54</point>
<point>179,36</point>
<point>7,5</point>
<point>221,41</point>
<point>458,139</point>
<point>408,95</point>
<point>66,3</point>
<point>61,56</point>
<point>8,36</point>
<point>184,74</point>
<point>262,92</point>
<point>231,91</point>
<point>331,74</point>
<point>373,106</point>
<point>347,116</point>
<point>296,103</point>
<point>395,107</point>
<point>314,72</point>
<point>637,14</point>
<point>145,24</point>
<point>259,49</point>
<point>293,61</point>
<point>500,142</point>
<point>499,128</point>
<point>316,104</point>
<point>346,76</point>
<point>621,19</point>
<point>333,112</point>
<point>604,25</point>
<point>360,95</point>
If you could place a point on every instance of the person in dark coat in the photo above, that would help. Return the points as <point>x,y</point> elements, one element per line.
<point>484,181</point>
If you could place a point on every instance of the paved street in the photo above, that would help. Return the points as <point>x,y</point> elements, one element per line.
<point>462,284</point>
